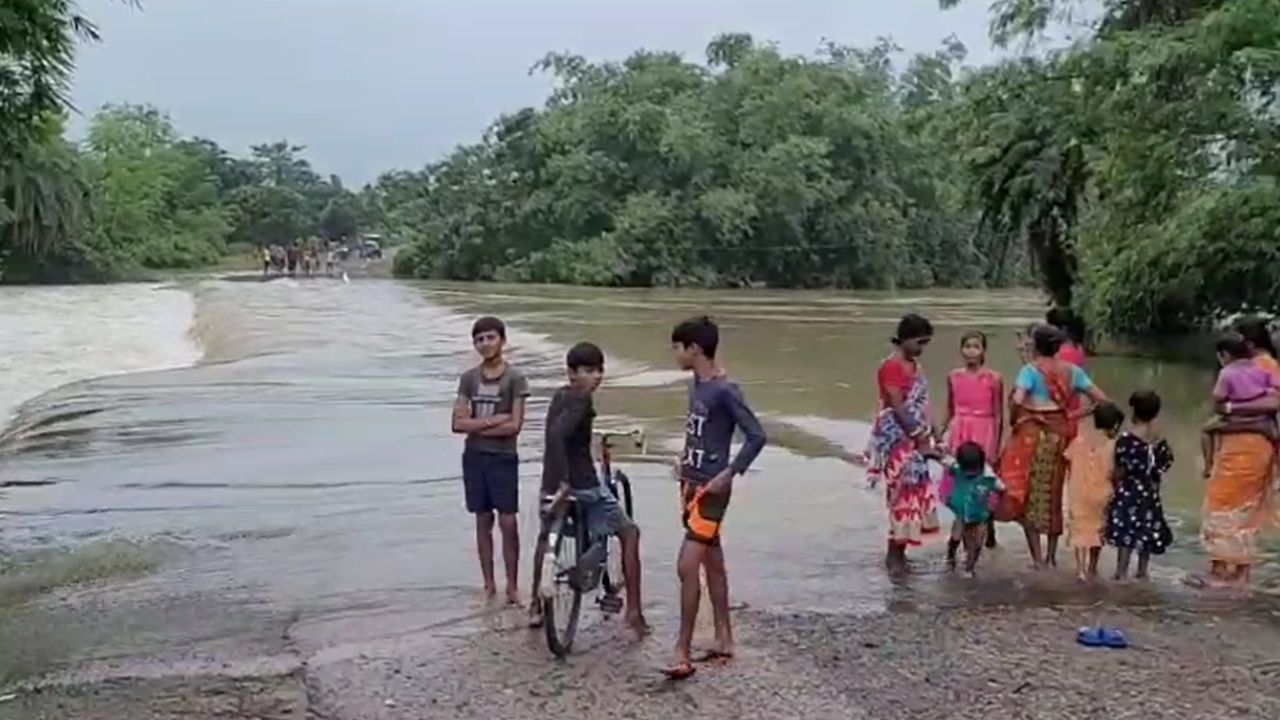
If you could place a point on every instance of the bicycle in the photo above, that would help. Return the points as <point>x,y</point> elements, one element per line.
<point>576,564</point>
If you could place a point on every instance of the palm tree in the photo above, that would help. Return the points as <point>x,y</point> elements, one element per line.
<point>42,201</point>
<point>42,196</point>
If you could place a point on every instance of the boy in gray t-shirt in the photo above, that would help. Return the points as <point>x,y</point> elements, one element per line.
<point>490,411</point>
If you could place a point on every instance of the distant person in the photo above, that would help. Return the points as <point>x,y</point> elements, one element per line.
<point>266,261</point>
<point>706,474</point>
<point>969,498</point>
<point>1092,459</point>
<point>569,469</point>
<point>1023,344</point>
<point>1135,517</point>
<point>1240,382</point>
<point>292,254</point>
<point>1072,326</point>
<point>975,405</point>
<point>1033,465</point>
<point>490,411</point>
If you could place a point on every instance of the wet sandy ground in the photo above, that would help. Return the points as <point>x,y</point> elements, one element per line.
<point>978,661</point>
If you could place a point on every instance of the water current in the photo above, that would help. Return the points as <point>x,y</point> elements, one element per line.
<point>233,458</point>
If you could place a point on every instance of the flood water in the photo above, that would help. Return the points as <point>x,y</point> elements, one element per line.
<point>277,455</point>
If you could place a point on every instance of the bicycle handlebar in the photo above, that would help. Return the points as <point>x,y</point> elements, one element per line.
<point>637,436</point>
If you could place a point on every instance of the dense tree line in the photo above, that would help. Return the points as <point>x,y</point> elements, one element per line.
<point>1140,164</point>
<point>1133,172</point>
<point>753,169</point>
<point>1136,168</point>
<point>135,194</point>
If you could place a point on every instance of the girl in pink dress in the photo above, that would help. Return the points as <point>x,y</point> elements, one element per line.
<point>975,408</point>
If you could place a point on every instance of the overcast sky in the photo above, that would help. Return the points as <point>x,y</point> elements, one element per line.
<point>370,85</point>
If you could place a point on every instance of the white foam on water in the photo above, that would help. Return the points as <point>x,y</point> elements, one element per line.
<point>52,336</point>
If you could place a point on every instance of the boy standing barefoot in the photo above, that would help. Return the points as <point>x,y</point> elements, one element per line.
<point>490,412</point>
<point>716,409</point>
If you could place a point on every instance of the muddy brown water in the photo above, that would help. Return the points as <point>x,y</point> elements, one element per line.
<point>298,482</point>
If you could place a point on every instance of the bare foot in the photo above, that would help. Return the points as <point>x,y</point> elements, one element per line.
<point>681,668</point>
<point>1141,575</point>
<point>490,592</point>
<point>1082,577</point>
<point>535,614</point>
<point>637,623</point>
<point>513,596</point>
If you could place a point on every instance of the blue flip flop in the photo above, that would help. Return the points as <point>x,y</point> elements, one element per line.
<point>1101,637</point>
<point>1091,637</point>
<point>1113,638</point>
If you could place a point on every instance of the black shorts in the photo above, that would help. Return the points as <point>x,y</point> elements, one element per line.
<point>703,513</point>
<point>491,482</point>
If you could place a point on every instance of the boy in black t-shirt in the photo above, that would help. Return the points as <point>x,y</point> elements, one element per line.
<point>569,469</point>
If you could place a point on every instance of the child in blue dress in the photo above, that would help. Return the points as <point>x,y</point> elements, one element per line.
<point>970,500</point>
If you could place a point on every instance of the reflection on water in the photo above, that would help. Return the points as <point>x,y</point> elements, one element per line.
<point>306,467</point>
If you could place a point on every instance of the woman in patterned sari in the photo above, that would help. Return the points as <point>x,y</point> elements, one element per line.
<point>1033,465</point>
<point>1241,497</point>
<point>901,442</point>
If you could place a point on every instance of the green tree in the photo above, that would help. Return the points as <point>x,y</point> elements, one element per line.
<point>1154,141</point>
<point>152,195</point>
<point>41,192</point>
<point>755,169</point>
<point>42,211</point>
<point>341,219</point>
<point>268,215</point>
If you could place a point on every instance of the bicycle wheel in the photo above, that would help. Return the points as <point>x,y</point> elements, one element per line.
<point>563,603</point>
<point>614,581</point>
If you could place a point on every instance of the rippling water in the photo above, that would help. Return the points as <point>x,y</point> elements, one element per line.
<point>51,336</point>
<point>301,473</point>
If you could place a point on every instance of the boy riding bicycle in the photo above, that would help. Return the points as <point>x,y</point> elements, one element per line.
<point>569,470</point>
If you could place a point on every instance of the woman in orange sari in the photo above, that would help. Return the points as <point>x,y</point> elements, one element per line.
<point>1240,497</point>
<point>1033,465</point>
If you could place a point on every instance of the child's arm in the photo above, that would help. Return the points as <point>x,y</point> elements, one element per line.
<point>1236,424</point>
<point>951,406</point>
<point>1221,389</point>
<point>998,404</point>
<point>514,422</point>
<point>462,422</point>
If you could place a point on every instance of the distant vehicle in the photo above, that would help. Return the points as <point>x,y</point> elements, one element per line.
<point>371,249</point>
